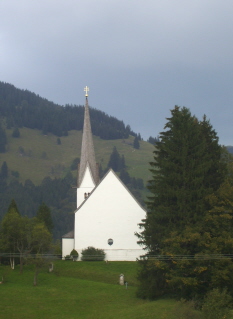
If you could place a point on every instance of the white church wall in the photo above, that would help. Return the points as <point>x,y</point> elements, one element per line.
<point>86,186</point>
<point>123,254</point>
<point>110,213</point>
<point>67,246</point>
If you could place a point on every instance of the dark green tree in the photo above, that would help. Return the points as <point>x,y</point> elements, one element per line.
<point>3,140</point>
<point>13,207</point>
<point>187,168</point>
<point>114,161</point>
<point>23,240</point>
<point>4,170</point>
<point>153,140</point>
<point>16,133</point>
<point>44,215</point>
<point>75,163</point>
<point>41,240</point>
<point>124,176</point>
<point>10,231</point>
<point>136,144</point>
<point>122,163</point>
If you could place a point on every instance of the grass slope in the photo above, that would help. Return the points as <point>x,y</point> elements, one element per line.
<point>78,290</point>
<point>42,156</point>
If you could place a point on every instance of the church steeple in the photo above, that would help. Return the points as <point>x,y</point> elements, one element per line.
<point>87,159</point>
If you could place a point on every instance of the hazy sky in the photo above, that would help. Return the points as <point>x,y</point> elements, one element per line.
<point>140,58</point>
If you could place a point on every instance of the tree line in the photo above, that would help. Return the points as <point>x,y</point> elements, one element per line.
<point>22,108</point>
<point>57,193</point>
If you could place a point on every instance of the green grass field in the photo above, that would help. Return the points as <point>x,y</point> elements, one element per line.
<point>42,156</point>
<point>87,290</point>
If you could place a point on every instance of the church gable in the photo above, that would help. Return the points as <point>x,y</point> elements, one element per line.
<point>110,212</point>
<point>112,187</point>
<point>87,180</point>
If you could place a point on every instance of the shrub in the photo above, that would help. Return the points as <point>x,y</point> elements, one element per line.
<point>67,257</point>
<point>92,254</point>
<point>217,305</point>
<point>15,174</point>
<point>186,310</point>
<point>74,254</point>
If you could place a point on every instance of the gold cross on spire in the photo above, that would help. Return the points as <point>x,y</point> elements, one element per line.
<point>86,89</point>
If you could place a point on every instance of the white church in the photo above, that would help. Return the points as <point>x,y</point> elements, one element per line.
<point>107,215</point>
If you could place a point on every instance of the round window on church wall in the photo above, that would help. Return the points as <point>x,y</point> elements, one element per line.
<point>110,241</point>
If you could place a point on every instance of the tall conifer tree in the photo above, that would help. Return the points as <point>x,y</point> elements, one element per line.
<point>4,170</point>
<point>3,140</point>
<point>187,168</point>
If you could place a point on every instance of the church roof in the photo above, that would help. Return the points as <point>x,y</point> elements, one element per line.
<point>87,150</point>
<point>69,235</point>
<point>102,181</point>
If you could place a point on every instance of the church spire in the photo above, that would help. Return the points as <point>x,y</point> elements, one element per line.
<point>87,151</point>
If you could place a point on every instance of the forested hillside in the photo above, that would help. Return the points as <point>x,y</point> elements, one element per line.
<point>40,146</point>
<point>21,108</point>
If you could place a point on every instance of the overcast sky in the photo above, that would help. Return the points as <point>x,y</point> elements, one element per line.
<point>140,58</point>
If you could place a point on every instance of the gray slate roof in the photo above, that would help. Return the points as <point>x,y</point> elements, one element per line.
<point>69,235</point>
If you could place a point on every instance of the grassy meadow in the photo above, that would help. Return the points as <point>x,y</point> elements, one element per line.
<point>87,290</point>
<point>36,156</point>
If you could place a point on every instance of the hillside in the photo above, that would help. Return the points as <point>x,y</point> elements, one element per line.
<point>39,169</point>
<point>22,108</point>
<point>36,156</point>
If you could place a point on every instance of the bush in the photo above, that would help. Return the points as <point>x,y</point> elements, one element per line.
<point>93,254</point>
<point>186,310</point>
<point>67,257</point>
<point>74,255</point>
<point>15,174</point>
<point>217,305</point>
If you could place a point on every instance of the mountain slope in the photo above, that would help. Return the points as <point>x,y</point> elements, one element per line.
<point>36,156</point>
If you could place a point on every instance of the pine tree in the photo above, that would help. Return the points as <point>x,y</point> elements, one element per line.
<point>187,168</point>
<point>16,133</point>
<point>136,144</point>
<point>122,163</point>
<point>114,161</point>
<point>4,170</point>
<point>124,176</point>
<point>3,140</point>
<point>44,215</point>
<point>13,207</point>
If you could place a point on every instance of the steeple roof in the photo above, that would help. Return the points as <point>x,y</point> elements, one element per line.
<point>87,151</point>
